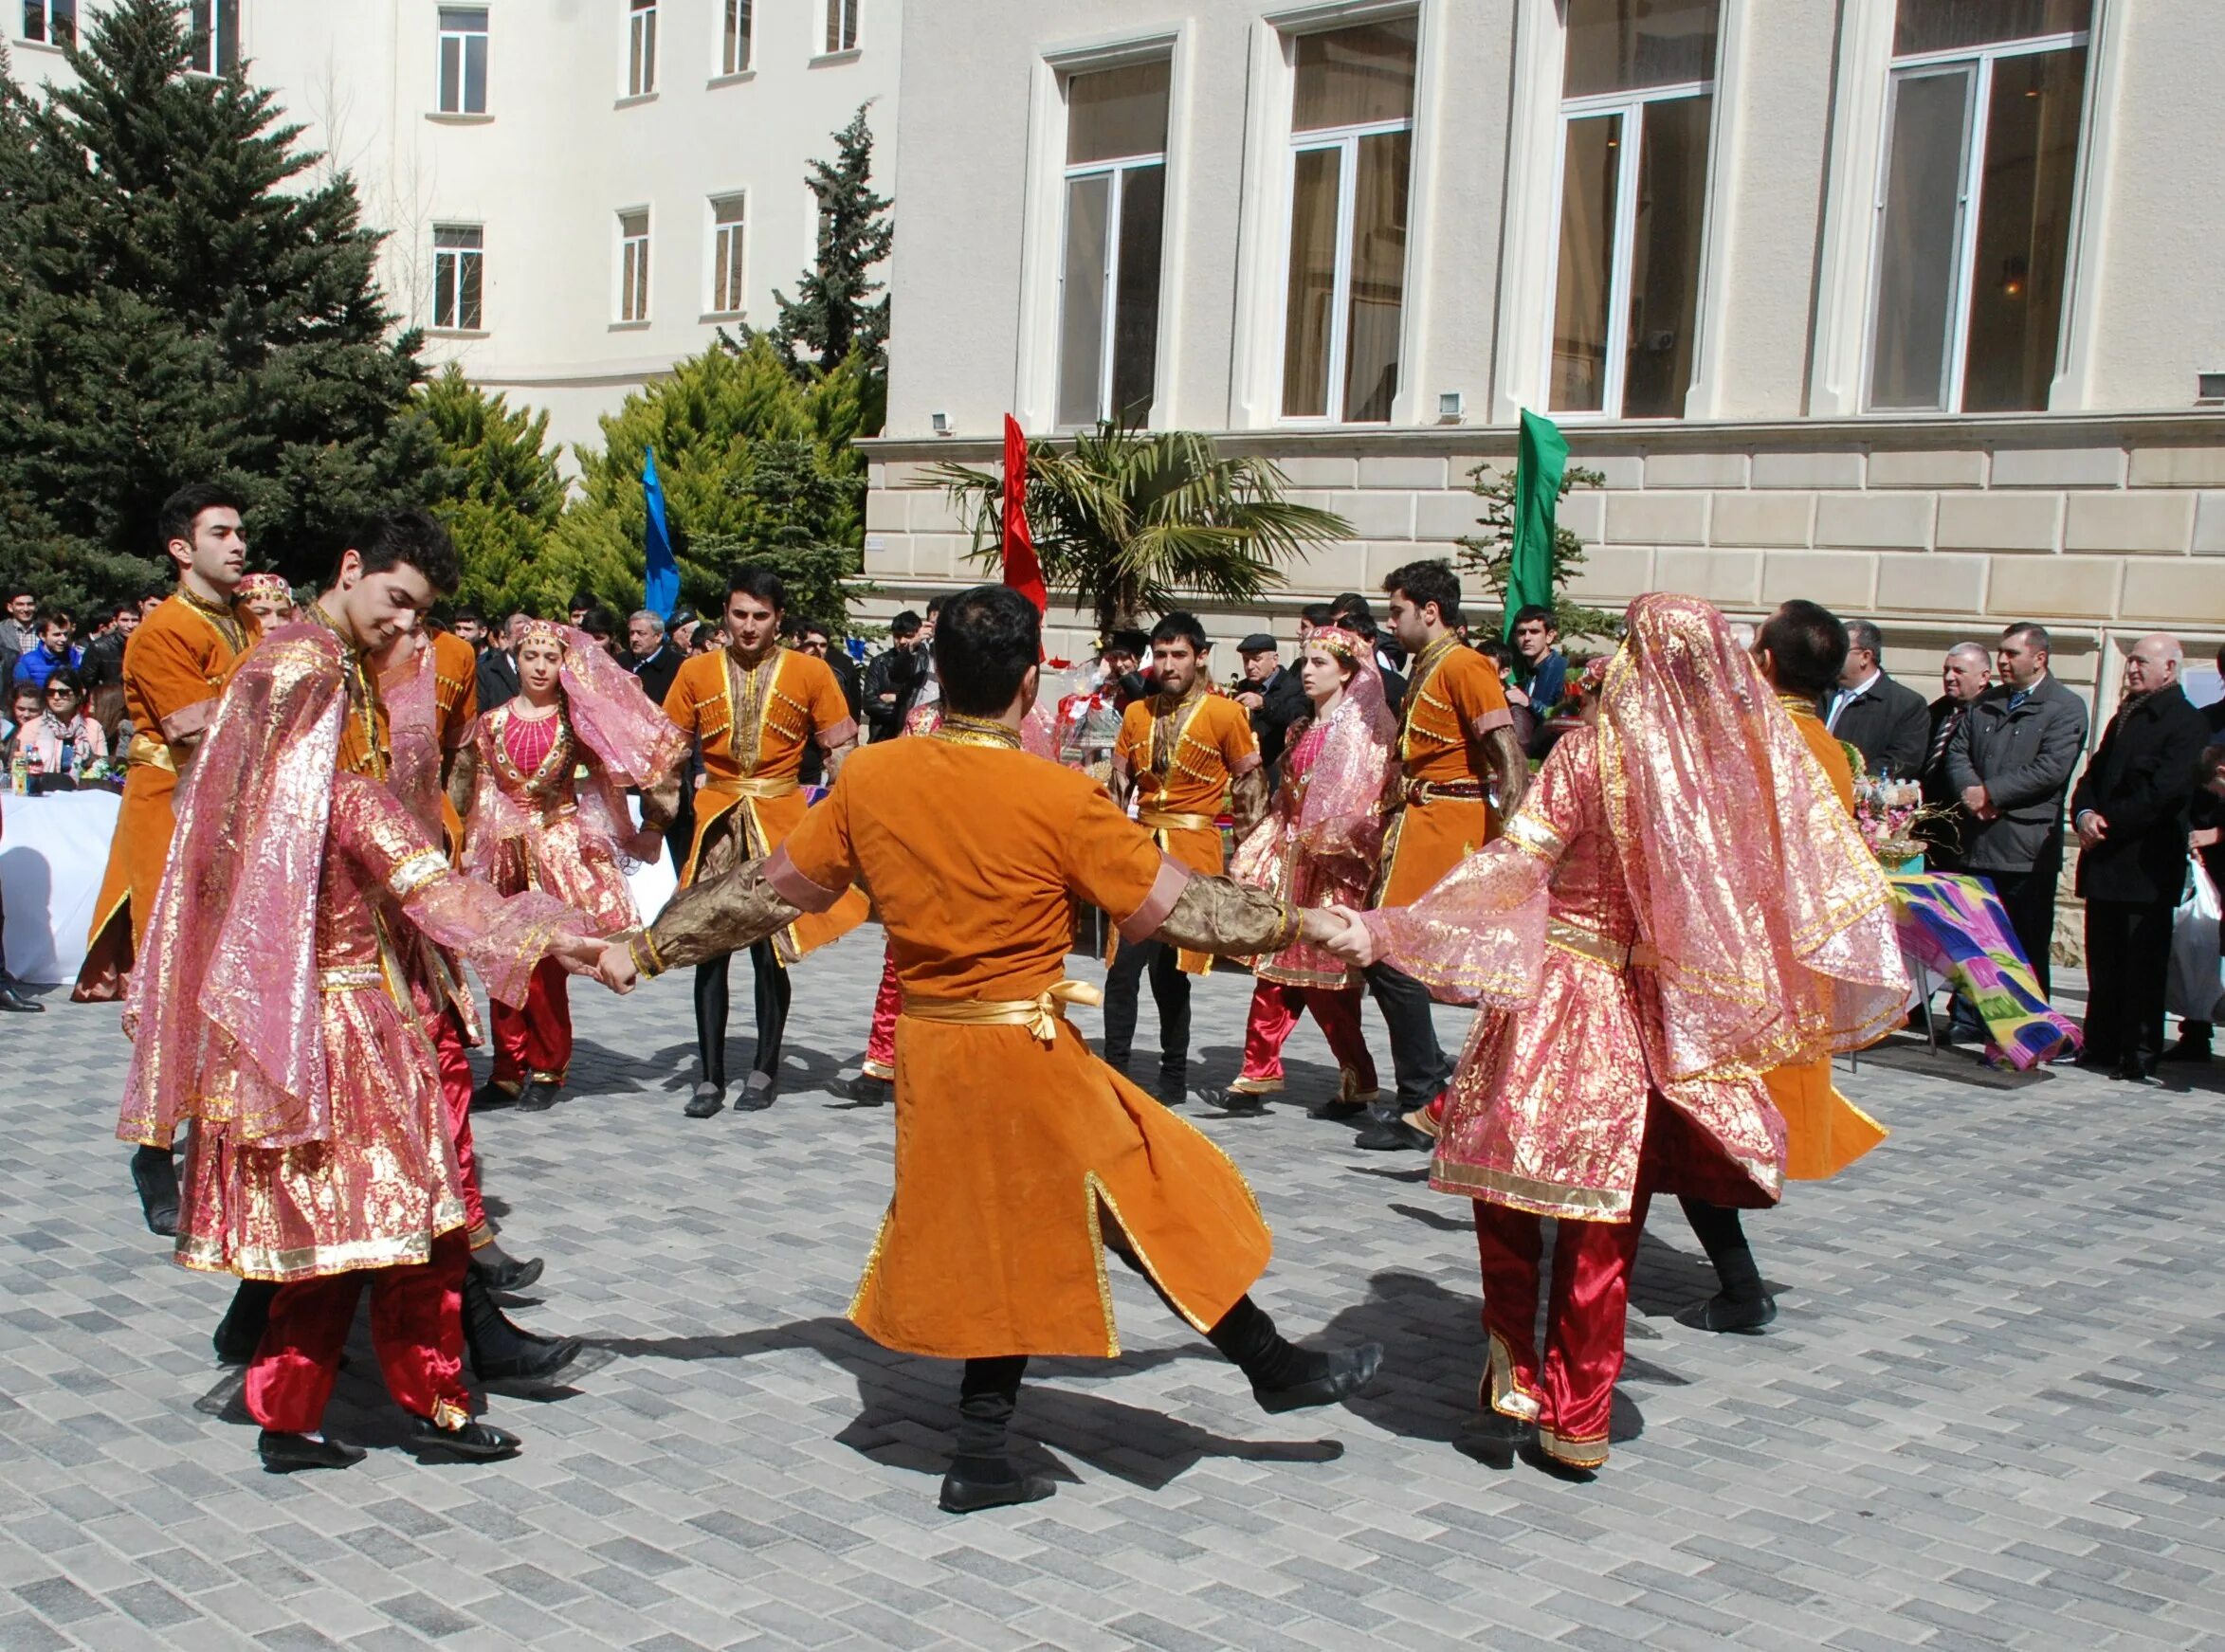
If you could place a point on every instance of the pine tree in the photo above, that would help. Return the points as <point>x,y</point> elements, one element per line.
<point>185,304</point>
<point>834,312</point>
<point>1490,555</point>
<point>503,498</point>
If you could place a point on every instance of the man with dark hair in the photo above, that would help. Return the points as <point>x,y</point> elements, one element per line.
<point>1887,722</point>
<point>55,651</point>
<point>498,665</point>
<point>1806,645</point>
<point>1351,612</point>
<point>1456,747</point>
<point>103,661</point>
<point>1542,671</point>
<point>2011,763</point>
<point>1125,655</point>
<point>753,706</point>
<point>893,674</point>
<point>986,1254</point>
<point>471,626</point>
<point>1179,752</point>
<point>19,631</point>
<point>582,605</point>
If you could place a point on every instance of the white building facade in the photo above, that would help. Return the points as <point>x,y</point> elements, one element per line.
<point>578,193</point>
<point>1900,305</point>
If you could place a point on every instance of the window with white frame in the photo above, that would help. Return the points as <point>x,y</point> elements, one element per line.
<point>1637,101</point>
<point>841,24</point>
<point>735,38</point>
<point>459,276</point>
<point>1116,188</point>
<point>1351,159</point>
<point>727,291</point>
<point>52,21</point>
<point>633,265</point>
<point>212,36</point>
<point>1974,203</point>
<point>641,48</point>
<point>462,61</point>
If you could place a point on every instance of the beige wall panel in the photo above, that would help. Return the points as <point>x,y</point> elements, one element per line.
<point>1418,475</point>
<point>1320,471</point>
<point>1657,518</point>
<point>1612,574</point>
<point>1999,522</point>
<point>1729,577</point>
<point>2156,519</point>
<point>1696,470</point>
<point>1928,467</point>
<point>1448,516</point>
<point>1821,469</point>
<point>1375,516</point>
<point>1933,583</point>
<point>2178,467</point>
<point>1874,521</point>
<point>2174,593</point>
<point>2208,524</point>
<point>1776,520</point>
<point>2077,588</point>
<point>1843,581</point>
<point>2058,467</point>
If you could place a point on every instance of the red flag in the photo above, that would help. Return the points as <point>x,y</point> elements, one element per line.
<point>1022,572</point>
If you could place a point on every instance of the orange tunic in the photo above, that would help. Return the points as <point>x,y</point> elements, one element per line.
<point>175,667</point>
<point>1008,1144</point>
<point>1183,755</point>
<point>1453,702</point>
<point>1824,1132</point>
<point>455,691</point>
<point>752,726</point>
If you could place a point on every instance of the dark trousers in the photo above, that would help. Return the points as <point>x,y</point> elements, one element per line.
<point>1416,1056</point>
<point>2127,968</point>
<point>2029,898</point>
<point>1169,990</point>
<point>771,989</point>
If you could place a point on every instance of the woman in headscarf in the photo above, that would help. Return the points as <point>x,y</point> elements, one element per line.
<point>1318,845</point>
<point>268,598</point>
<point>1680,904</point>
<point>551,814</point>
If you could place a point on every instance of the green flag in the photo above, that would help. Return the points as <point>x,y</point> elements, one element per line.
<point>1541,457</point>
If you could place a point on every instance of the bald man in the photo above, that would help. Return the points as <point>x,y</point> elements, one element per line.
<point>1965,674</point>
<point>2130,810</point>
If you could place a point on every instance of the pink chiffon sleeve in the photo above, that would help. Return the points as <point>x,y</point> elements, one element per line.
<point>501,937</point>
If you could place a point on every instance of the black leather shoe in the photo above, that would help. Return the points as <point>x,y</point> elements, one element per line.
<point>155,1174</point>
<point>492,1094</point>
<point>13,1001</point>
<point>1337,1111</point>
<point>866,1090</point>
<point>1489,1428</point>
<point>1349,1370</point>
<point>538,1098</point>
<point>2135,1070</point>
<point>538,1359</point>
<point>965,1496</point>
<point>2196,1051</point>
<point>1721,1313</point>
<point>1242,1103</point>
<point>503,1272</point>
<point>286,1453</point>
<point>707,1100</point>
<point>757,1091</point>
<point>1173,1088</point>
<point>480,1442</point>
<point>1394,1136</point>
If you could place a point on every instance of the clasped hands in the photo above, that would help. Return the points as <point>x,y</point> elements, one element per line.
<point>1339,931</point>
<point>607,961</point>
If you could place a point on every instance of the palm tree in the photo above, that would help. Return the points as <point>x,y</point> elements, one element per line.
<point>1128,521</point>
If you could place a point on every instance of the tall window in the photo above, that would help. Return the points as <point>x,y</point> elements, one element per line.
<point>633,265</point>
<point>1973,207</point>
<point>53,21</point>
<point>459,260</point>
<point>641,48</point>
<point>463,67</point>
<point>1115,213</point>
<point>1351,148</point>
<point>841,24</point>
<point>734,48</point>
<point>1637,95</point>
<point>727,266</point>
<point>212,36</point>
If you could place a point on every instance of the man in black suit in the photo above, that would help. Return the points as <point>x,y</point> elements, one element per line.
<point>498,667</point>
<point>1965,674</point>
<point>649,655</point>
<point>1887,722</point>
<point>2129,811</point>
<point>1271,693</point>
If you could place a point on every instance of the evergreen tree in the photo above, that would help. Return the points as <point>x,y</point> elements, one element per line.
<point>835,314</point>
<point>185,304</point>
<point>503,498</point>
<point>1490,555</point>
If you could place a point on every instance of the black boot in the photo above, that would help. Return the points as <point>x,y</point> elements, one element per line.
<point>1285,1377</point>
<point>501,1352</point>
<point>285,1453</point>
<point>1173,1088</point>
<point>981,1474</point>
<point>866,1090</point>
<point>539,1096</point>
<point>1743,1304</point>
<point>154,1173</point>
<point>240,1332</point>
<point>503,1271</point>
<point>493,1094</point>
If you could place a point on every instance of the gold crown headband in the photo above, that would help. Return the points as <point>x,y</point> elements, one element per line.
<point>267,585</point>
<point>545,631</point>
<point>1334,639</point>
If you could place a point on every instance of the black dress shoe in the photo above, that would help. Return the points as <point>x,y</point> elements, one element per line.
<point>757,1091</point>
<point>1242,1103</point>
<point>503,1272</point>
<point>1337,1111</point>
<point>707,1100</point>
<point>18,1003</point>
<point>964,1494</point>
<point>1349,1369</point>
<point>2135,1070</point>
<point>155,1174</point>
<point>1394,1136</point>
<point>2187,1049</point>
<point>286,1453</point>
<point>493,1094</point>
<point>1173,1088</point>
<point>539,1096</point>
<point>538,1359</point>
<point>1489,1428</point>
<point>480,1442</point>
<point>1723,1313</point>
<point>866,1090</point>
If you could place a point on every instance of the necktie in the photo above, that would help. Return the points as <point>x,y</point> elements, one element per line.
<point>2019,697</point>
<point>1947,726</point>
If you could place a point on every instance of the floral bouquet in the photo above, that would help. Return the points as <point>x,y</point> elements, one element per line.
<point>1886,813</point>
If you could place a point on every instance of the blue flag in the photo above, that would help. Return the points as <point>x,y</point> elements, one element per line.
<point>661,595</point>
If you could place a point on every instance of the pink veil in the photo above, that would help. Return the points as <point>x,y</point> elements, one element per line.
<point>1341,812</point>
<point>413,719</point>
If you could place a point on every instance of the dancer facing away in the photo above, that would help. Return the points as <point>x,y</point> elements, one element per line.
<point>177,663</point>
<point>552,766</point>
<point>278,1014</point>
<point>752,706</point>
<point>1643,951</point>
<point>1020,1158</point>
<point>1456,746</point>
<point>1319,846</point>
<point>1180,752</point>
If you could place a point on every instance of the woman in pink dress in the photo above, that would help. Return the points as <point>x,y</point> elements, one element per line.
<point>551,814</point>
<point>1318,845</point>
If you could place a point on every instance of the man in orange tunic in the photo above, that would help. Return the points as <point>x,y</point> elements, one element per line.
<point>173,669</point>
<point>1020,1159</point>
<point>1179,752</point>
<point>753,706</point>
<point>1457,749</point>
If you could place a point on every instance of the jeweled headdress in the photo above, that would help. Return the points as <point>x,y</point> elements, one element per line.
<point>554,631</point>
<point>267,584</point>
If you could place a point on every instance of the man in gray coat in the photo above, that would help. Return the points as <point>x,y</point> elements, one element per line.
<point>2012,763</point>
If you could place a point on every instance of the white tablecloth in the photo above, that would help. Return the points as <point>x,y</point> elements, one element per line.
<point>652,885</point>
<point>53,853</point>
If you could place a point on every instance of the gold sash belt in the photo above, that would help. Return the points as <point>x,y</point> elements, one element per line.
<point>151,752</point>
<point>747,787</point>
<point>1161,819</point>
<point>350,977</point>
<point>1040,1015</point>
<point>1590,943</point>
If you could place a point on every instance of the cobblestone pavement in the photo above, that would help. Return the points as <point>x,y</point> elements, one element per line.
<point>1989,1415</point>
